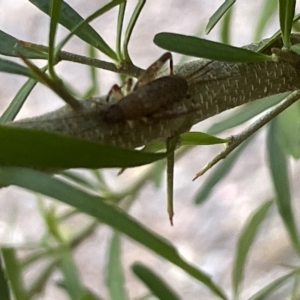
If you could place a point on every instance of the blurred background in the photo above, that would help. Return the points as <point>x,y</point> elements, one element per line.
<point>205,234</point>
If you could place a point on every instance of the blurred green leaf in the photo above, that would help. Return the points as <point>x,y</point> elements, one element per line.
<point>18,101</point>
<point>114,272</point>
<point>71,281</point>
<point>271,287</point>
<point>47,150</point>
<point>288,131</point>
<point>69,18</point>
<point>4,288</point>
<point>280,179</point>
<point>54,17</point>
<point>193,46</point>
<point>244,243</point>
<point>214,19</point>
<point>199,138</point>
<point>296,48</point>
<point>286,15</point>
<point>14,273</point>
<point>154,282</point>
<point>219,172</point>
<point>10,46</point>
<point>225,31</point>
<point>245,113</point>
<point>104,212</point>
<point>267,11</point>
<point>7,66</point>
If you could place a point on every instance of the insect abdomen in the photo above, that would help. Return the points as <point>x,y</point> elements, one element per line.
<point>148,99</point>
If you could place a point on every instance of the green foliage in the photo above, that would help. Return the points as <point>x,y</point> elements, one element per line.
<point>94,197</point>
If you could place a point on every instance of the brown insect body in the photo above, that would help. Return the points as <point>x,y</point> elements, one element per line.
<point>148,99</point>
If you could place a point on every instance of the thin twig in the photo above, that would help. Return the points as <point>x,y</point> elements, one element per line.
<point>236,140</point>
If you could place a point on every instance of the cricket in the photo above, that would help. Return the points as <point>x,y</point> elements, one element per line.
<point>148,96</point>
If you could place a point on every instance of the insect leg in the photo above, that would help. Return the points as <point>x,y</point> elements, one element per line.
<point>151,72</point>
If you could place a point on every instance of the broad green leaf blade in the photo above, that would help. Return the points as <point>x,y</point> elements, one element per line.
<point>154,282</point>
<point>271,287</point>
<point>13,272</point>
<point>47,150</point>
<point>71,280</point>
<point>286,15</point>
<point>199,138</point>
<point>219,172</point>
<point>103,212</point>
<point>114,272</point>
<point>10,46</point>
<point>193,46</point>
<point>244,243</point>
<point>18,101</point>
<point>296,48</point>
<point>3,284</point>
<point>288,131</point>
<point>214,19</point>
<point>7,66</point>
<point>245,113</point>
<point>69,18</point>
<point>280,179</point>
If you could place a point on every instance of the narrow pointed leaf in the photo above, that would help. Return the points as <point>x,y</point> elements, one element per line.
<point>286,15</point>
<point>200,138</point>
<point>219,172</point>
<point>69,18</point>
<point>104,212</point>
<point>280,178</point>
<point>13,272</point>
<point>214,19</point>
<point>244,243</point>
<point>45,150</point>
<point>10,46</point>
<point>18,101</point>
<point>115,278</point>
<point>193,46</point>
<point>7,66</point>
<point>271,287</point>
<point>154,282</point>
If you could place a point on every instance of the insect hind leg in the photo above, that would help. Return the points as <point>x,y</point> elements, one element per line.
<point>151,72</point>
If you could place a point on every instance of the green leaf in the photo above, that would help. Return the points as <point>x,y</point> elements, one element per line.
<point>71,281</point>
<point>296,48</point>
<point>193,46</point>
<point>199,138</point>
<point>268,10</point>
<point>10,46</point>
<point>280,179</point>
<point>115,278</point>
<point>69,18</point>
<point>103,212</point>
<point>13,272</point>
<point>18,101</point>
<point>102,47</point>
<point>3,284</point>
<point>214,19</point>
<point>244,243</point>
<point>246,112</point>
<point>288,131</point>
<point>286,15</point>
<point>219,172</point>
<point>47,150</point>
<point>271,287</point>
<point>154,282</point>
<point>7,66</point>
